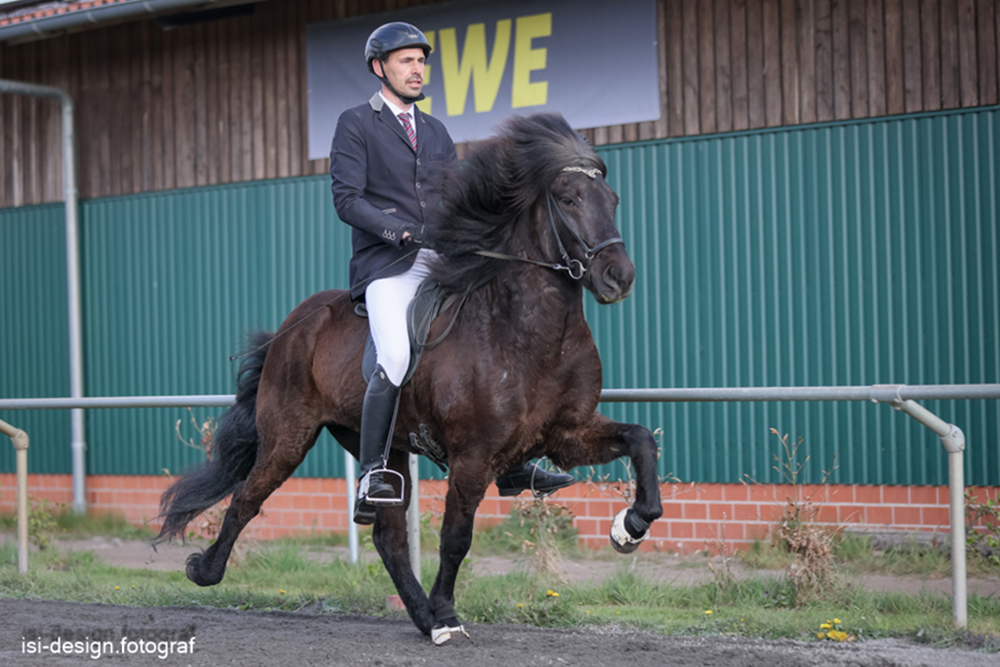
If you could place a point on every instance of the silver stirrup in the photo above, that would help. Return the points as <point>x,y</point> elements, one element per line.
<point>389,502</point>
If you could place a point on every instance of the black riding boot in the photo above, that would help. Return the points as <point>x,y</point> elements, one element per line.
<point>378,415</point>
<point>531,477</point>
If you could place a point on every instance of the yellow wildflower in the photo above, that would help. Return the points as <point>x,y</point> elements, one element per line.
<point>708,612</point>
<point>820,635</point>
<point>826,626</point>
<point>836,621</point>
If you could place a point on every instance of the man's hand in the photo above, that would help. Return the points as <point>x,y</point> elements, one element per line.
<point>415,234</point>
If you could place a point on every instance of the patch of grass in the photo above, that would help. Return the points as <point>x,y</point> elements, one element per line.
<point>285,576</point>
<point>766,556</point>
<point>65,522</point>
<point>854,554</point>
<point>857,554</point>
<point>522,526</point>
<point>110,525</point>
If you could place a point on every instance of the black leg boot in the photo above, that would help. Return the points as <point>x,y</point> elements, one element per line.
<point>378,416</point>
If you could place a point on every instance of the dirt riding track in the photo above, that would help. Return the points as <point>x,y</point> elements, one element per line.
<point>304,639</point>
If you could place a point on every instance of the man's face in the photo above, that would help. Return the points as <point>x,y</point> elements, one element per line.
<point>405,70</point>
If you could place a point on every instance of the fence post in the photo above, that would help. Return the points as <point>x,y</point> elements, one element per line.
<point>352,528</point>
<point>954,443</point>
<point>20,440</point>
<point>413,515</point>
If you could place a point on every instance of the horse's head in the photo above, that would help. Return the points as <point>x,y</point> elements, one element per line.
<point>535,193</point>
<point>581,213</point>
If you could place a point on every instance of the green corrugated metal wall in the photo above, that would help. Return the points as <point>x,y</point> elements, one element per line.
<point>841,254</point>
<point>845,254</point>
<point>34,331</point>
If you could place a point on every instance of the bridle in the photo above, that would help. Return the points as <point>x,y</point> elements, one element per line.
<point>575,268</point>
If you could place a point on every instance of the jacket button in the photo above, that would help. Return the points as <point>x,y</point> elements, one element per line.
<point>418,160</point>
<point>418,185</point>
<point>423,205</point>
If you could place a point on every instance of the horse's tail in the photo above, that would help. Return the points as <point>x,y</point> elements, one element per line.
<point>233,451</point>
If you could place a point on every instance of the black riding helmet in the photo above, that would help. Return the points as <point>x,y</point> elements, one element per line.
<point>392,37</point>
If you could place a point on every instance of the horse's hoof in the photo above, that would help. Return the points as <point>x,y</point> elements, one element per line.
<point>196,572</point>
<point>621,539</point>
<point>444,633</point>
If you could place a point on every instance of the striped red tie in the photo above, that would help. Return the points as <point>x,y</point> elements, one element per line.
<point>410,134</point>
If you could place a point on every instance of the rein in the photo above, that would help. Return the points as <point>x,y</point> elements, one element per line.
<point>575,268</point>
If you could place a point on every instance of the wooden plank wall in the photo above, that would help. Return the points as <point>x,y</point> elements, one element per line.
<point>225,101</point>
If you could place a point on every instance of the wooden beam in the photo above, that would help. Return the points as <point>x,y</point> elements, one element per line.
<point>986,17</point>
<point>930,49</point>
<point>895,95</point>
<point>738,29</point>
<point>875,46</point>
<point>755,64</point>
<point>859,59</point>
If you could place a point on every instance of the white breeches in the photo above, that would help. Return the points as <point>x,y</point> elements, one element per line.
<point>387,300</point>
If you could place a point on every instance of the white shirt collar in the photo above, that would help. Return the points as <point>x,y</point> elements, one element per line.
<point>396,111</point>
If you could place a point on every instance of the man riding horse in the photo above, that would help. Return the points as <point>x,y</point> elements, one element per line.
<point>525,227</point>
<point>388,163</point>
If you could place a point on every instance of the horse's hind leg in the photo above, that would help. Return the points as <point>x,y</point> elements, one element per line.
<point>603,441</point>
<point>279,455</point>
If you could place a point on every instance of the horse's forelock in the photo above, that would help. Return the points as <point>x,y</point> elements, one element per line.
<point>542,146</point>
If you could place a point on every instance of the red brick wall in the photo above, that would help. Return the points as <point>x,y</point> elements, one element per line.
<point>693,514</point>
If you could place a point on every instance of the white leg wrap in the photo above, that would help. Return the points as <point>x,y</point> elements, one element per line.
<point>620,536</point>
<point>441,636</point>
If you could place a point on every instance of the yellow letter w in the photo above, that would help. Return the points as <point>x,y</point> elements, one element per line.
<point>474,63</point>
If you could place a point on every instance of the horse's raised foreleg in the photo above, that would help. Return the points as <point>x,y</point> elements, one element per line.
<point>602,441</point>
<point>280,454</point>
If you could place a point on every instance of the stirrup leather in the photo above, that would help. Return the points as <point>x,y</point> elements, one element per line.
<point>388,502</point>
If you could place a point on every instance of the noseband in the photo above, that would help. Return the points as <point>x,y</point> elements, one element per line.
<point>575,268</point>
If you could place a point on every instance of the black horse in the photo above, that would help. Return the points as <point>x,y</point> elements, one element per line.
<point>529,223</point>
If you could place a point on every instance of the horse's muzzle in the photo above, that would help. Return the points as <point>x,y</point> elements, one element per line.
<point>612,276</point>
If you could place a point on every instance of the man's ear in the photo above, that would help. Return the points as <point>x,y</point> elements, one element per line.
<point>377,66</point>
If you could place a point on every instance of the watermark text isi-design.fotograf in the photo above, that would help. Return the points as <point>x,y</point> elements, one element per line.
<point>96,643</point>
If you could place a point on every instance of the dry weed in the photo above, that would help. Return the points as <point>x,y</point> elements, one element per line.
<point>545,521</point>
<point>812,573</point>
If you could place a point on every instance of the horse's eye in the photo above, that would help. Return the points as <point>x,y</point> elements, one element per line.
<point>566,201</point>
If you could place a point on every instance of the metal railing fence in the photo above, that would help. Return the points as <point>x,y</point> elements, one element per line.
<point>901,397</point>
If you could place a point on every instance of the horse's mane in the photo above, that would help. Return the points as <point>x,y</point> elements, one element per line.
<point>497,185</point>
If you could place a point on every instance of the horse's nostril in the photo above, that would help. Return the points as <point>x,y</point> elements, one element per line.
<point>613,275</point>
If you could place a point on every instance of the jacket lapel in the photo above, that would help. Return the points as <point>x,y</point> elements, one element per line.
<point>418,119</point>
<point>386,116</point>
